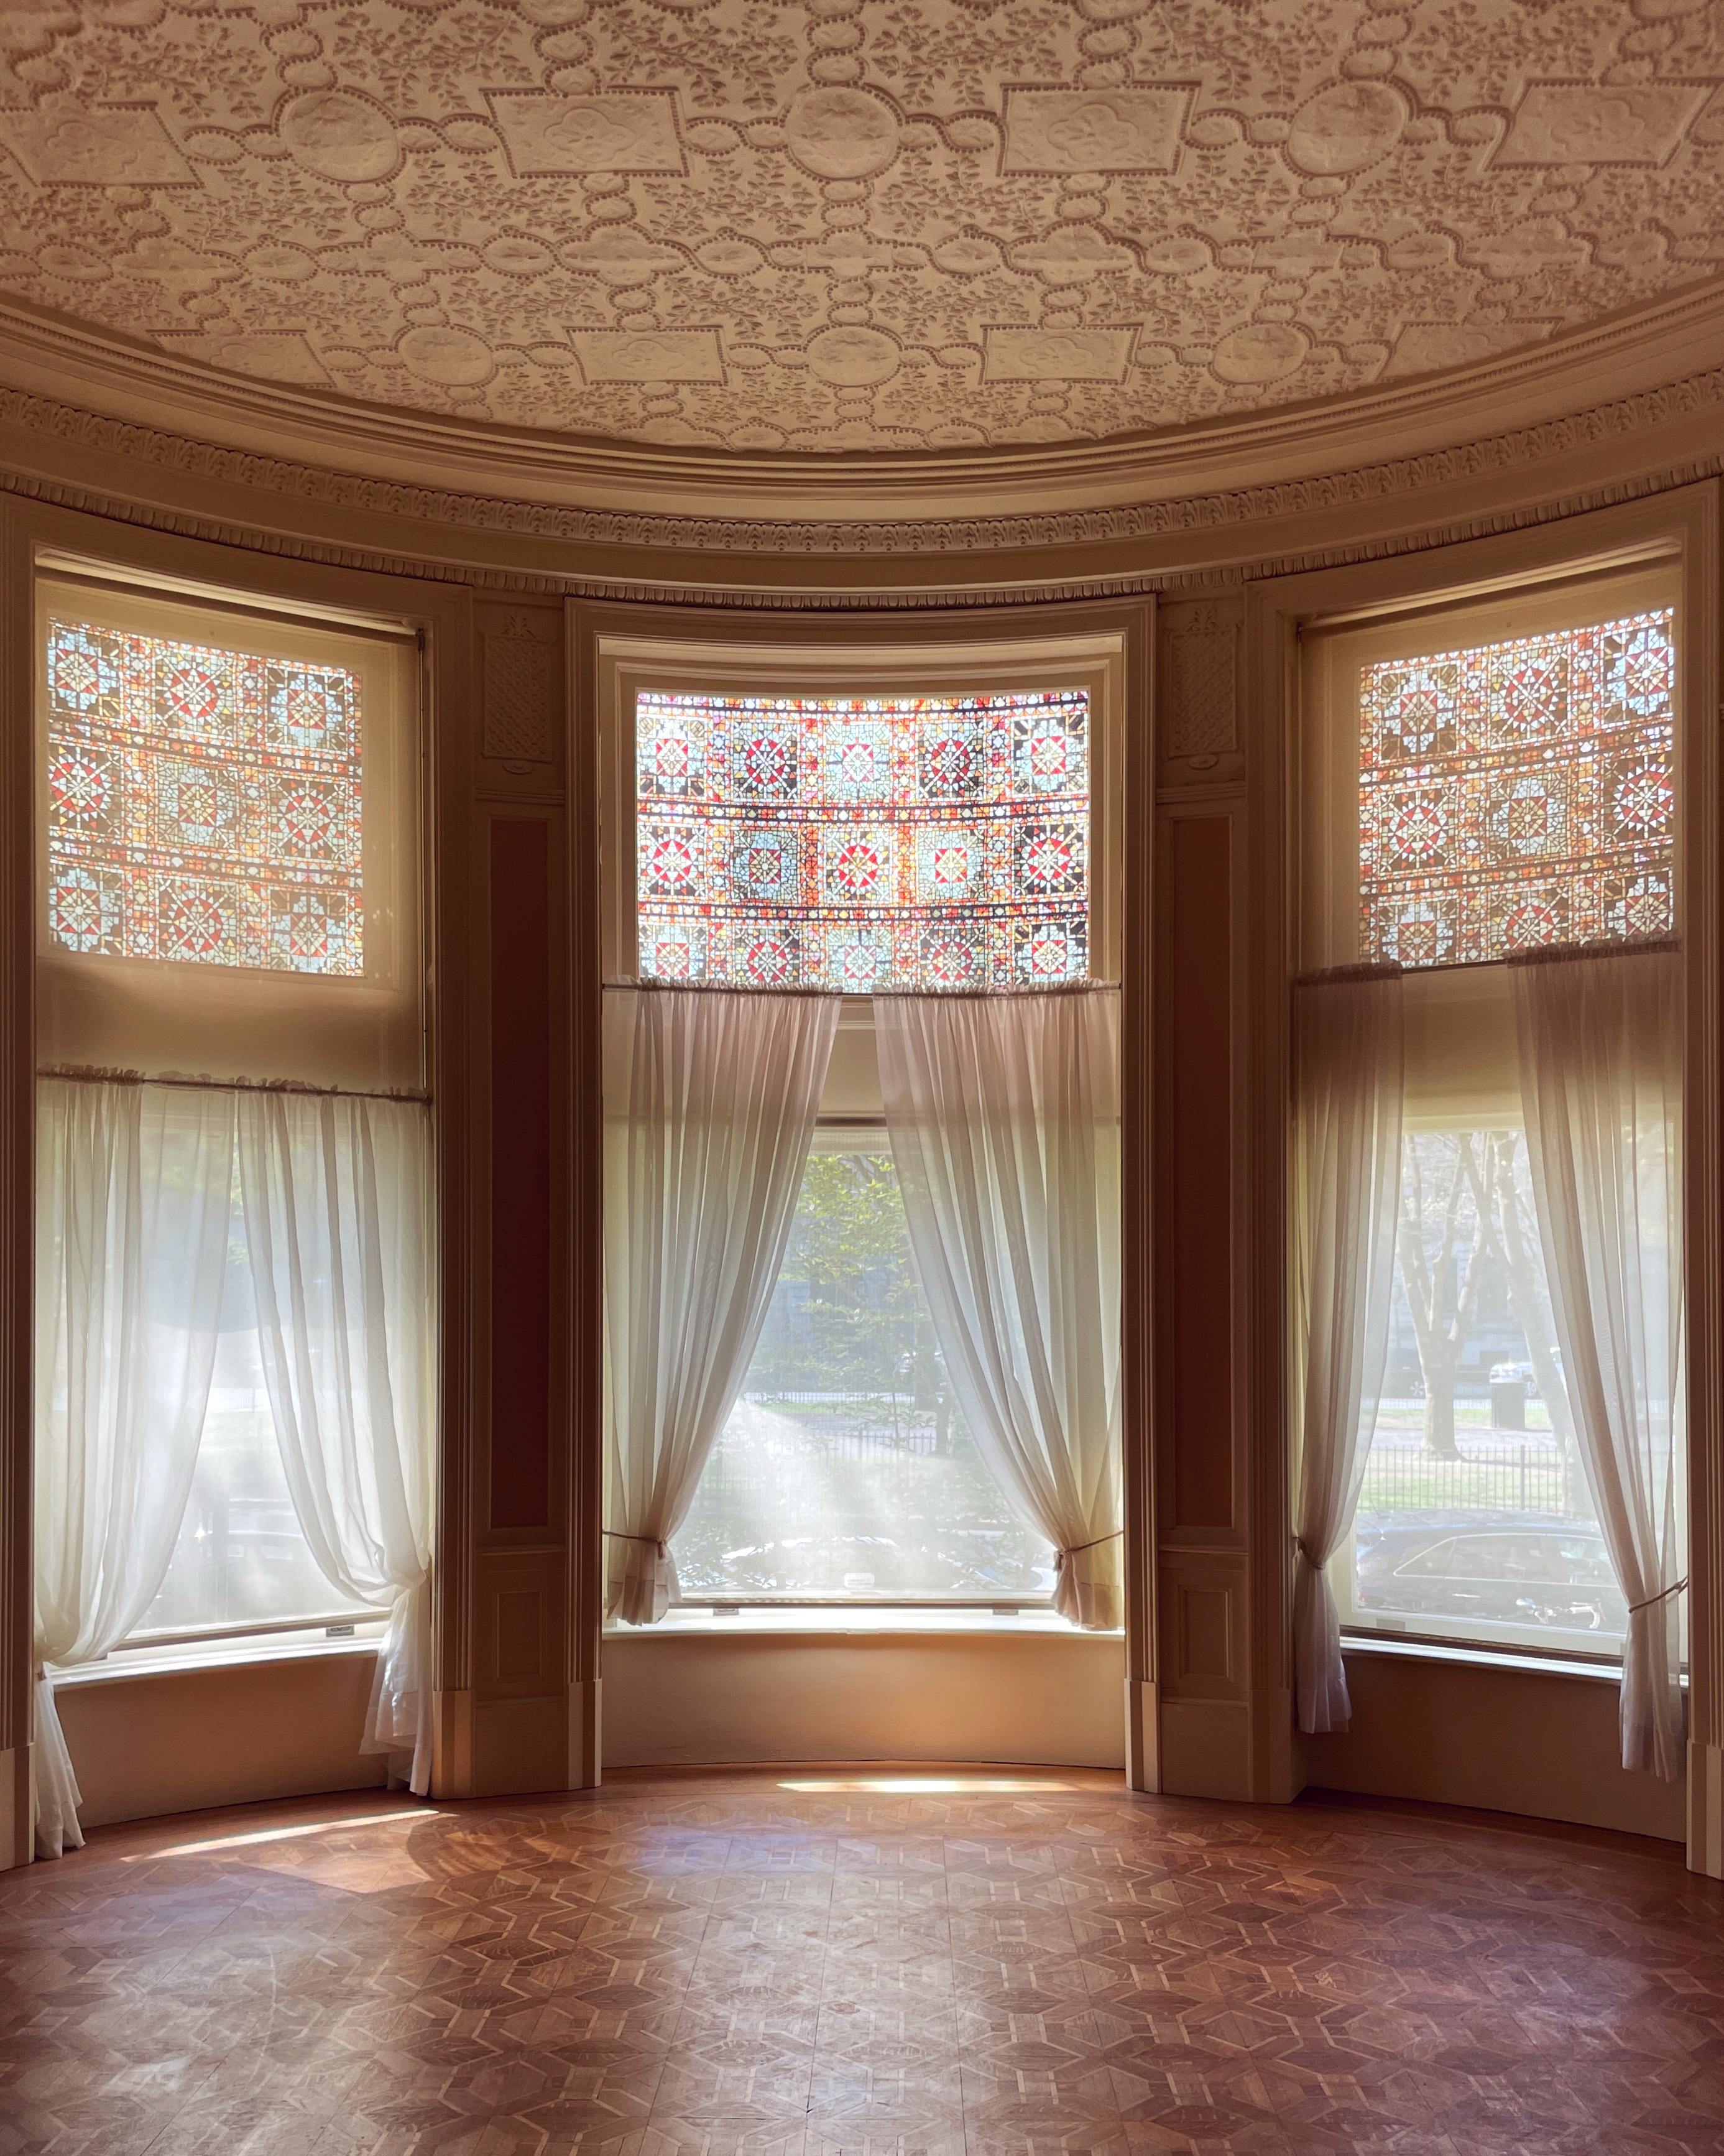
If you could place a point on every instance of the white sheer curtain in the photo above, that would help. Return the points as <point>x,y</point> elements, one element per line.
<point>710,1103</point>
<point>1600,1040</point>
<point>1349,1057</point>
<point>1004,1119</point>
<point>134,1187</point>
<point>335,1199</point>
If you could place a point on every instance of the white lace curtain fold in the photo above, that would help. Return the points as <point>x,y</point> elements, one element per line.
<point>1004,1114</point>
<point>710,1104</point>
<point>135,1208</point>
<point>1600,1043</point>
<point>1349,1058</point>
<point>335,1201</point>
<point>134,1187</point>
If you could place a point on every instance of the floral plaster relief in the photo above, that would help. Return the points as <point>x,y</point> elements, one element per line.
<point>838,226</point>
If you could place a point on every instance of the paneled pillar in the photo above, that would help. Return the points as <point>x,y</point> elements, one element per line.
<point>1221,1485</point>
<point>517,1707</point>
<point>1703,905</point>
<point>18,1124</point>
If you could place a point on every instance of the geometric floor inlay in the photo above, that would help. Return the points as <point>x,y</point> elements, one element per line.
<point>775,1965</point>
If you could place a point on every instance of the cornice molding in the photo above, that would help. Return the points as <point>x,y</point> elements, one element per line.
<point>135,468</point>
<point>69,383</point>
<point>46,418</point>
<point>934,595</point>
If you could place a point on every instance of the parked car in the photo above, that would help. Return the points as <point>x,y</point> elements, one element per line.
<point>1525,1573</point>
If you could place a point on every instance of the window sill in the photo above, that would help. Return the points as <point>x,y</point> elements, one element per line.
<point>1409,1648</point>
<point>216,1654</point>
<point>827,1622</point>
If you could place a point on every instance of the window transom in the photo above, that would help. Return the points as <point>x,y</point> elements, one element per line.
<point>862,844</point>
<point>1518,793</point>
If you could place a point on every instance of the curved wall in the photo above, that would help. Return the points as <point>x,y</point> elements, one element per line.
<point>497,547</point>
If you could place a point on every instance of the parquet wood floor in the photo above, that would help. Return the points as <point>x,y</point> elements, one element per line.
<point>733,1965</point>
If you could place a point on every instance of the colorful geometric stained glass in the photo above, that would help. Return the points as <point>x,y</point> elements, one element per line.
<point>1518,793</point>
<point>864,844</point>
<point>203,805</point>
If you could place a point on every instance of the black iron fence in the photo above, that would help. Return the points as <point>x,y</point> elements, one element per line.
<point>1536,1475</point>
<point>862,1425</point>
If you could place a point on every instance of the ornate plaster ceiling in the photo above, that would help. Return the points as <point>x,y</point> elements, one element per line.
<point>855,224</point>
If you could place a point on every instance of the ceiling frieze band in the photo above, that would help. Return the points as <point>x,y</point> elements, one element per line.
<point>121,437</point>
<point>1518,449</point>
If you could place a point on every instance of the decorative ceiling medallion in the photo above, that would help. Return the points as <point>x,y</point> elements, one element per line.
<point>1584,123</point>
<point>620,131</point>
<point>1136,130</point>
<point>1345,127</point>
<point>340,135</point>
<point>841,134</point>
<point>1264,352</point>
<point>62,144</point>
<point>649,355</point>
<point>853,358</point>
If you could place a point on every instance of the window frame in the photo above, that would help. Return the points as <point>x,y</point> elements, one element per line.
<point>370,1028</point>
<point>841,1134</point>
<point>628,664</point>
<point>417,773</point>
<point>1680,526</point>
<point>1107,646</point>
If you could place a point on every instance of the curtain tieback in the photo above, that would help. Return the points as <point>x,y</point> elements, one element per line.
<point>1304,1549</point>
<point>616,1535</point>
<point>1078,1548</point>
<point>1663,1595</point>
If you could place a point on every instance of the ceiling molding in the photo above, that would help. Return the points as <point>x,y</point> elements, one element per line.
<point>68,382</point>
<point>764,237</point>
<point>857,595</point>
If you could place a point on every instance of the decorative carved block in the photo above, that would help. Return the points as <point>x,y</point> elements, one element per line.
<point>519,694</point>
<point>1200,693</point>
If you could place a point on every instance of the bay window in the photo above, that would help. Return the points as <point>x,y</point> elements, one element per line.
<point>234,1284</point>
<point>845,826</point>
<point>1490,808</point>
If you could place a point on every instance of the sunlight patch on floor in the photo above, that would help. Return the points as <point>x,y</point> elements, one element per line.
<point>925,1785</point>
<point>284,1833</point>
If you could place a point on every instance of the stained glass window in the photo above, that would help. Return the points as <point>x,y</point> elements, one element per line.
<point>1518,793</point>
<point>203,805</point>
<point>864,843</point>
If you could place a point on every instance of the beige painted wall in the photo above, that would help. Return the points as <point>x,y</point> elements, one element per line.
<point>181,1740</point>
<point>1528,1740</point>
<point>1047,1698</point>
<point>1503,1740</point>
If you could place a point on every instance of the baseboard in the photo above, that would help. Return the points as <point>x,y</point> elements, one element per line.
<point>586,1734</point>
<point>1143,1737</point>
<point>1706,1809</point>
<point>452,1744</point>
<point>16,1833</point>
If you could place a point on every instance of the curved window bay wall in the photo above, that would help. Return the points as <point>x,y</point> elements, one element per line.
<point>537,588</point>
